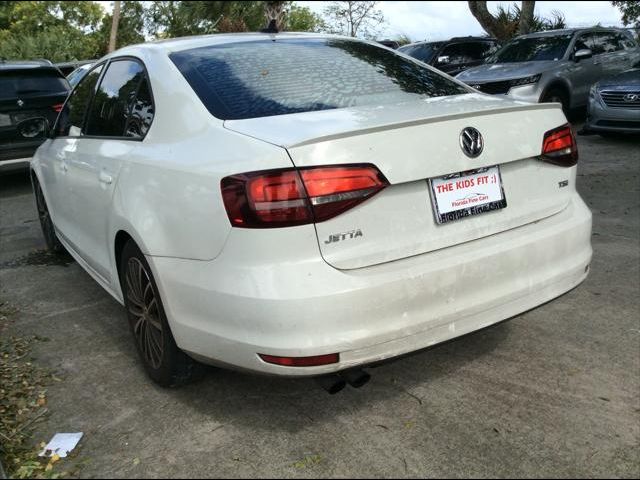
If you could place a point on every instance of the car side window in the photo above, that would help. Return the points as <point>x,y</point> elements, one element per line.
<point>114,99</point>
<point>457,53</point>
<point>605,42</point>
<point>71,119</point>
<point>626,41</point>
<point>477,51</point>
<point>583,42</point>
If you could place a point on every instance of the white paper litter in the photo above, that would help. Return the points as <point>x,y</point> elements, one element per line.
<point>61,444</point>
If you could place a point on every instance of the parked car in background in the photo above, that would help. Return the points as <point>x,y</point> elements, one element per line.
<point>307,224</point>
<point>74,77</point>
<point>389,43</point>
<point>452,56</point>
<point>67,67</point>
<point>614,104</point>
<point>29,91</point>
<point>555,66</point>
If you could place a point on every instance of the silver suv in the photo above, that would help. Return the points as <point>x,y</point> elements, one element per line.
<point>555,66</point>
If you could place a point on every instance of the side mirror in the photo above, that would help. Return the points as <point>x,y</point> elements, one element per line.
<point>582,54</point>
<point>443,60</point>
<point>34,128</point>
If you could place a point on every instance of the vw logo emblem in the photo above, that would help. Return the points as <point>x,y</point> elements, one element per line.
<point>471,142</point>
<point>20,103</point>
<point>631,97</point>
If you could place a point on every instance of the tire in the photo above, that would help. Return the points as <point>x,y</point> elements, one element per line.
<point>48,230</point>
<point>557,95</point>
<point>164,362</point>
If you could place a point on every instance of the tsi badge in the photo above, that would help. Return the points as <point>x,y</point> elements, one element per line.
<point>337,237</point>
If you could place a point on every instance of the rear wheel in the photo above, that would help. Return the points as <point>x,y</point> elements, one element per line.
<point>164,362</point>
<point>48,230</point>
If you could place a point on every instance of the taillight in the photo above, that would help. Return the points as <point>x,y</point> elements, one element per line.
<point>301,361</point>
<point>282,198</point>
<point>559,147</point>
<point>57,107</point>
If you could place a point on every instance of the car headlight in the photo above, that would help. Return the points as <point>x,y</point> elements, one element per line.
<point>526,80</point>
<point>593,90</point>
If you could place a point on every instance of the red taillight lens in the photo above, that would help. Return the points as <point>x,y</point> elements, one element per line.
<point>57,107</point>
<point>301,361</point>
<point>559,147</point>
<point>281,198</point>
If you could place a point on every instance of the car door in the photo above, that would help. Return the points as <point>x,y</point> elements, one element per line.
<point>59,152</point>
<point>584,73</point>
<point>610,53</point>
<point>113,129</point>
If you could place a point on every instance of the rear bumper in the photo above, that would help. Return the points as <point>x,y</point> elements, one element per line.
<point>226,312</point>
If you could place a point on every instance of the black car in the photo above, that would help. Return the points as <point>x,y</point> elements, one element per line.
<point>452,56</point>
<point>29,92</point>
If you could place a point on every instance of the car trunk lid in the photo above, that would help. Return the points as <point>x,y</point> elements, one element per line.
<point>410,144</point>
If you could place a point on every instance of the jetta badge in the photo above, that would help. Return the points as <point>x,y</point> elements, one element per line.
<point>20,103</point>
<point>631,97</point>
<point>471,142</point>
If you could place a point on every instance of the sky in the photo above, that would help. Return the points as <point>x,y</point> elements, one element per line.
<point>442,20</point>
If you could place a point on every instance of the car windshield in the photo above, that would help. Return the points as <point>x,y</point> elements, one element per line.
<point>532,49</point>
<point>41,81</point>
<point>266,77</point>
<point>421,51</point>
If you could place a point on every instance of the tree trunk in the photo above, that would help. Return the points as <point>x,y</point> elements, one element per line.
<point>526,17</point>
<point>275,14</point>
<point>114,26</point>
<point>485,19</point>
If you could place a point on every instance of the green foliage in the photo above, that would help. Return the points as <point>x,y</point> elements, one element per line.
<point>508,20</point>
<point>76,30</point>
<point>302,19</point>
<point>630,11</point>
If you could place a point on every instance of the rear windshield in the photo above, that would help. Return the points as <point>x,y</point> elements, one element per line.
<point>24,83</point>
<point>265,78</point>
<point>532,49</point>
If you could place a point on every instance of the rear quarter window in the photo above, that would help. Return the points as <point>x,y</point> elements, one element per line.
<point>31,82</point>
<point>265,78</point>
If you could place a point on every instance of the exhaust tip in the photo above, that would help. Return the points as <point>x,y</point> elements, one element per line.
<point>356,378</point>
<point>332,384</point>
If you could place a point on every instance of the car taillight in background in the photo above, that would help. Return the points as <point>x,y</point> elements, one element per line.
<point>57,107</point>
<point>559,147</point>
<point>287,197</point>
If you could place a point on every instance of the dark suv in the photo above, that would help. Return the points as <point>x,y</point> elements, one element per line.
<point>452,56</point>
<point>29,92</point>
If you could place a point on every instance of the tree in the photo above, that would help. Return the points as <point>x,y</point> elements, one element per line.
<point>354,18</point>
<point>114,26</point>
<point>275,13</point>
<point>513,20</point>
<point>630,11</point>
<point>302,19</point>
<point>493,24</point>
<point>130,26</point>
<point>56,30</point>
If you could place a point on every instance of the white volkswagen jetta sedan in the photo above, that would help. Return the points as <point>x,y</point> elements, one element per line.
<point>298,204</point>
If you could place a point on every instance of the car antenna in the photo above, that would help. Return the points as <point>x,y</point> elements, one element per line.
<point>271,28</point>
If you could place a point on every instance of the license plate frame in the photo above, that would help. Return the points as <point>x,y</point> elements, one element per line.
<point>472,208</point>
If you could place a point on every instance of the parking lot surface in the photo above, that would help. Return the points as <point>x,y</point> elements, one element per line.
<point>553,392</point>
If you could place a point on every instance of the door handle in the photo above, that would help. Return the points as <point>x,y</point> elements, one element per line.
<point>105,178</point>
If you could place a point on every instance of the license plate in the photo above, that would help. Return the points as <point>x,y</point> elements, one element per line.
<point>469,193</point>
